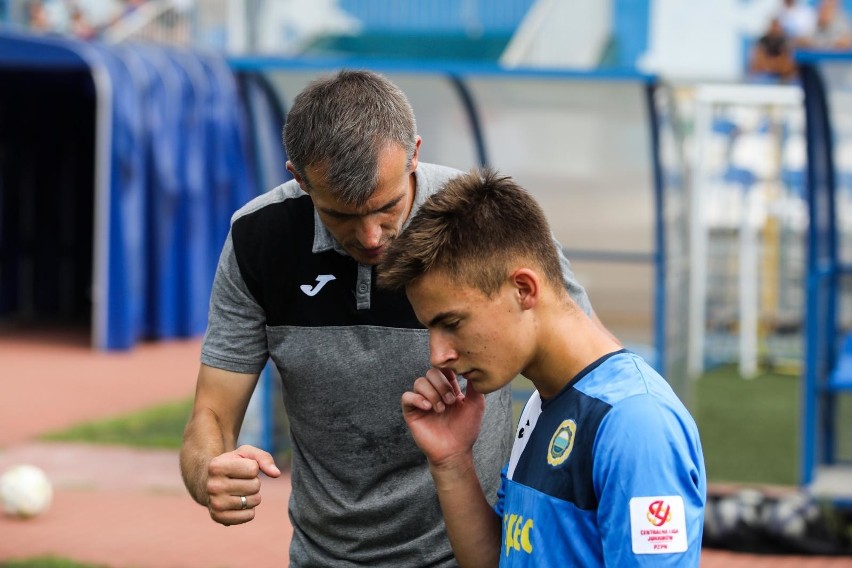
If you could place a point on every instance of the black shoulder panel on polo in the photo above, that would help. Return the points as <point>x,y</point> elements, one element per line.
<point>571,480</point>
<point>273,248</point>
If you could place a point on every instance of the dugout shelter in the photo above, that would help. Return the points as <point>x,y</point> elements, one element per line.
<point>119,169</point>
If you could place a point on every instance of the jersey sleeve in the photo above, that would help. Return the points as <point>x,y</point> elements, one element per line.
<point>650,482</point>
<point>236,330</point>
<point>575,290</point>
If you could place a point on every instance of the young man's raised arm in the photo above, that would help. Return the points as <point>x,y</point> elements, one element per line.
<point>445,425</point>
<point>216,473</point>
<point>473,527</point>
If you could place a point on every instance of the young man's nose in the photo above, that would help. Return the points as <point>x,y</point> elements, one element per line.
<point>441,353</point>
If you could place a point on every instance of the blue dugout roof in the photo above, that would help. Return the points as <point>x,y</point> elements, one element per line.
<point>29,52</point>
<point>171,165</point>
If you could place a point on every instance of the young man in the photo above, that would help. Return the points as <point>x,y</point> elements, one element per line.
<point>607,467</point>
<point>295,283</point>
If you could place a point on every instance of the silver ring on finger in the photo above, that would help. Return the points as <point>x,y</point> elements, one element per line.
<point>244,502</point>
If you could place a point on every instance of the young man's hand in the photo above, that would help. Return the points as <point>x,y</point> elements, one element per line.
<point>443,421</point>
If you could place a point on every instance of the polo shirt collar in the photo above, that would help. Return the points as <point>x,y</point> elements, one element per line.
<point>323,241</point>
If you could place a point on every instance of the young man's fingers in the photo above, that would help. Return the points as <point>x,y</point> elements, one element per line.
<point>453,380</point>
<point>426,388</point>
<point>445,383</point>
<point>414,402</point>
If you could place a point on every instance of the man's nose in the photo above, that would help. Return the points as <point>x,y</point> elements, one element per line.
<point>369,233</point>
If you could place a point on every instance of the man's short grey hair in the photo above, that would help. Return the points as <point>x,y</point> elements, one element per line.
<point>341,123</point>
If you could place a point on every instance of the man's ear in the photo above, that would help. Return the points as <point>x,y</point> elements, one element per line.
<point>527,285</point>
<point>297,176</point>
<point>415,157</point>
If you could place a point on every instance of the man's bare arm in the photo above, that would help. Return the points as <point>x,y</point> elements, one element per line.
<point>216,473</point>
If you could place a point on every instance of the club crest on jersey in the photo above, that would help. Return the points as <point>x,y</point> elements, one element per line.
<point>561,443</point>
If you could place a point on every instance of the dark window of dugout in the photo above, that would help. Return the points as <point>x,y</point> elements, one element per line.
<point>47,141</point>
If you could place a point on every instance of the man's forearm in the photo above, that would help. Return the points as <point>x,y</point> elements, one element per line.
<point>203,440</point>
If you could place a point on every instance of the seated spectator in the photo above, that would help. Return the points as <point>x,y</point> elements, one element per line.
<point>38,17</point>
<point>80,25</point>
<point>772,54</point>
<point>833,30</point>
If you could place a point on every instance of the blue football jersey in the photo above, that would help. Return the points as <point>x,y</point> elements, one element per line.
<point>609,472</point>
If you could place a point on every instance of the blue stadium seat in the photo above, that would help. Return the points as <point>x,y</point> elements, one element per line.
<point>740,176</point>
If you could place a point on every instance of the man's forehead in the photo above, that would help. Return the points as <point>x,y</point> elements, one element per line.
<point>376,202</point>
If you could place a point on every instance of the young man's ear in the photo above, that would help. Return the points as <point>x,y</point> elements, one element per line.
<point>527,284</point>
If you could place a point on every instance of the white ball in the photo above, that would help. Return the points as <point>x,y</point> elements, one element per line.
<point>25,491</point>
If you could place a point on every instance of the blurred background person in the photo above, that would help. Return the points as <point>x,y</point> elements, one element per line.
<point>798,20</point>
<point>38,20</point>
<point>80,26</point>
<point>833,30</point>
<point>772,54</point>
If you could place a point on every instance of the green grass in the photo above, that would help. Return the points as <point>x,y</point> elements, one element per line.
<point>45,562</point>
<point>157,427</point>
<point>751,429</point>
